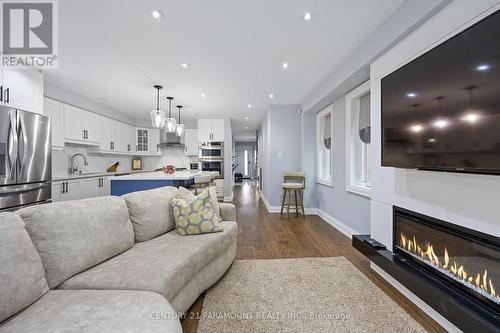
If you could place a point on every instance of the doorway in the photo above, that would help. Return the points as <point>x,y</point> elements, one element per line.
<point>245,161</point>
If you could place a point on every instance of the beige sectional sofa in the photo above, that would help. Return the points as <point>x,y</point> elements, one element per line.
<point>111,264</point>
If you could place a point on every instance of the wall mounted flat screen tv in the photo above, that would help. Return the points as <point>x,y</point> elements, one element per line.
<point>441,111</point>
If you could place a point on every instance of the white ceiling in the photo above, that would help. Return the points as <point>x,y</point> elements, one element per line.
<point>113,51</point>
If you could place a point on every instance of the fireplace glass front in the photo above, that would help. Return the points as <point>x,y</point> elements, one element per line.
<point>465,258</point>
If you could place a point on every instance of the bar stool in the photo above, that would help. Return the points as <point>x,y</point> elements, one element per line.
<point>201,182</point>
<point>293,181</point>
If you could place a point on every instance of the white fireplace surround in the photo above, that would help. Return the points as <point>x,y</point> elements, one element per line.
<point>464,199</point>
<point>468,200</point>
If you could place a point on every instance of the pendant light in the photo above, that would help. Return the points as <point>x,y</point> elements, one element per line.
<point>170,122</point>
<point>157,116</point>
<point>179,128</point>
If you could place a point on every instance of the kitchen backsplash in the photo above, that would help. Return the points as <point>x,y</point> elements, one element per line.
<point>100,162</point>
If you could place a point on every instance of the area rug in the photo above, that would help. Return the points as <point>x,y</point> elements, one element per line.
<point>300,295</point>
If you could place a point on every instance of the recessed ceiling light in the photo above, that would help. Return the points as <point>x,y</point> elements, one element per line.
<point>411,95</point>
<point>203,95</point>
<point>483,67</point>
<point>284,65</point>
<point>431,140</point>
<point>246,118</point>
<point>271,95</point>
<point>157,14</point>
<point>185,65</point>
<point>308,16</point>
<point>247,127</point>
<point>249,106</point>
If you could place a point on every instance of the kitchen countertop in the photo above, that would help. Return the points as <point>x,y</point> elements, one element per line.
<point>159,175</point>
<point>96,175</point>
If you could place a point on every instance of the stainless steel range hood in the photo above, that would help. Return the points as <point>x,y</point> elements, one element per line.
<point>170,139</point>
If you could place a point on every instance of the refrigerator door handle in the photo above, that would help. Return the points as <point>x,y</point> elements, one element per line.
<point>12,146</point>
<point>25,144</point>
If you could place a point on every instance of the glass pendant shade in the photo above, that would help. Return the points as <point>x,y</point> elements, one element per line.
<point>179,130</point>
<point>170,125</point>
<point>157,118</point>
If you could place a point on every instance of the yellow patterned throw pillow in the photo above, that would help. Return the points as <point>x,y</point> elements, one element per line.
<point>196,216</point>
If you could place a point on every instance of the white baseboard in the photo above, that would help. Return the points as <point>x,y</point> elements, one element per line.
<point>445,323</point>
<point>348,231</point>
<point>270,209</point>
<point>314,211</point>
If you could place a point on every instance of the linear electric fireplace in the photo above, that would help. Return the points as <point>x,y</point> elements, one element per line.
<point>466,259</point>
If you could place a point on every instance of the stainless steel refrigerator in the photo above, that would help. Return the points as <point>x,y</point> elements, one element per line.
<point>25,159</point>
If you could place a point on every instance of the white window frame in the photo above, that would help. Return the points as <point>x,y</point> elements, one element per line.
<point>351,182</point>
<point>323,180</point>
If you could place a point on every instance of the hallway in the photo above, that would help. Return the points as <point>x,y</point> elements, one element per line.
<point>268,236</point>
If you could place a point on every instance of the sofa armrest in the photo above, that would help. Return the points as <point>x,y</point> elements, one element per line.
<point>227,211</point>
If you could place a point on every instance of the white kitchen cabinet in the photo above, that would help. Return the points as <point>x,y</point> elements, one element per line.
<point>154,135</point>
<point>54,110</point>
<point>81,126</point>
<point>125,139</point>
<point>80,189</point>
<point>204,130</point>
<point>191,142</point>
<point>218,130</point>
<point>66,190</point>
<point>211,130</point>
<point>22,89</point>
<point>103,186</point>
<point>147,141</point>
<point>89,188</point>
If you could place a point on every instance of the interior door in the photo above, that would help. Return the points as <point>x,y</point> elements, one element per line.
<point>8,145</point>
<point>34,148</point>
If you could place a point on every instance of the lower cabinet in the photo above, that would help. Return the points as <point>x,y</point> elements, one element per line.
<point>80,189</point>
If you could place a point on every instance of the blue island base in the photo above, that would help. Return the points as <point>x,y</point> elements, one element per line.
<point>121,187</point>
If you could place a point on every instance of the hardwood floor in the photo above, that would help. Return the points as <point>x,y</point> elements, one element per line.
<point>267,236</point>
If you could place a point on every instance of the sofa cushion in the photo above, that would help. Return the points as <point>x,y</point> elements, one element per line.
<point>196,216</point>
<point>22,278</point>
<point>96,311</point>
<point>73,236</point>
<point>150,212</point>
<point>163,264</point>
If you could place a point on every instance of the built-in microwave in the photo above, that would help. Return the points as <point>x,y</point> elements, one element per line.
<point>211,151</point>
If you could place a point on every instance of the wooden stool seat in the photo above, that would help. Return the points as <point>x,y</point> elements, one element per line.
<point>293,181</point>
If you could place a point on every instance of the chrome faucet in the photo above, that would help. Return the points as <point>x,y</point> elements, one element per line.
<point>74,166</point>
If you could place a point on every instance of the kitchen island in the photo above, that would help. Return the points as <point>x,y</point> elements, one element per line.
<point>148,180</point>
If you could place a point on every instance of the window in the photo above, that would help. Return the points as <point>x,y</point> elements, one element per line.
<point>358,140</point>
<point>324,146</point>
<point>246,162</point>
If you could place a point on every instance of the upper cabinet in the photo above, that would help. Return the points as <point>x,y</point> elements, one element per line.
<point>147,141</point>
<point>72,124</point>
<point>210,130</point>
<point>81,126</point>
<point>191,142</point>
<point>55,111</point>
<point>22,89</point>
